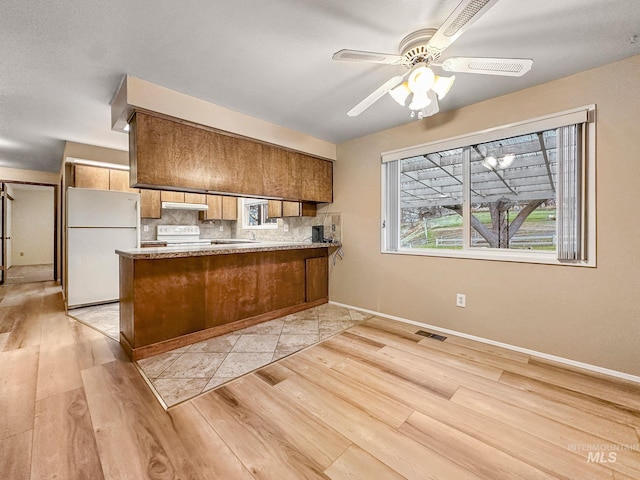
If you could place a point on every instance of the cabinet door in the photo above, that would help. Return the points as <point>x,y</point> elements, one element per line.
<point>317,278</point>
<point>91,177</point>
<point>274,209</point>
<point>195,198</point>
<point>229,208</point>
<point>119,180</point>
<point>214,210</point>
<point>290,209</point>
<point>298,209</point>
<point>166,196</point>
<point>150,206</point>
<point>308,209</point>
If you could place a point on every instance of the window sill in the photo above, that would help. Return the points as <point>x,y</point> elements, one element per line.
<point>493,255</point>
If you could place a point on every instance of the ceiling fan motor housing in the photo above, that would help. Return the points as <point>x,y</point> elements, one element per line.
<point>414,48</point>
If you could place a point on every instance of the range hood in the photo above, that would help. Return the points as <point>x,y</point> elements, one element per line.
<point>184,206</point>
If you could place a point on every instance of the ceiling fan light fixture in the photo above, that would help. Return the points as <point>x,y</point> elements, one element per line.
<point>490,163</point>
<point>421,79</point>
<point>400,93</point>
<point>507,160</point>
<point>419,101</point>
<point>442,85</point>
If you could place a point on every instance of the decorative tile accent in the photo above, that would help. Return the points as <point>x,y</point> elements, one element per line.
<point>221,344</point>
<point>237,364</point>
<point>176,390</point>
<point>154,366</point>
<point>188,371</point>
<point>194,365</point>
<point>254,343</point>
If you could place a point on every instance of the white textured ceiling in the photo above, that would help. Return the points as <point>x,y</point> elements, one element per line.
<point>62,61</point>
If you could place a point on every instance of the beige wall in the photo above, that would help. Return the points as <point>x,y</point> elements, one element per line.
<point>32,225</point>
<point>590,315</point>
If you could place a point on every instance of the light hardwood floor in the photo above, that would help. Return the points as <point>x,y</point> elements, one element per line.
<point>375,402</point>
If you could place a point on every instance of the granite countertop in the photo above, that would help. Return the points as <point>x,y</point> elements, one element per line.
<point>150,253</point>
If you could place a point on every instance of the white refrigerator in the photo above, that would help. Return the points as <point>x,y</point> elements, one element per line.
<point>98,223</point>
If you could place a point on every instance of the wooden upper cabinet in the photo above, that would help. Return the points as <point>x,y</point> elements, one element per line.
<point>150,206</point>
<point>86,176</point>
<point>195,198</point>
<point>290,209</point>
<point>119,181</point>
<point>176,197</point>
<point>279,209</point>
<point>220,208</point>
<point>229,208</point>
<point>169,153</point>
<point>274,209</point>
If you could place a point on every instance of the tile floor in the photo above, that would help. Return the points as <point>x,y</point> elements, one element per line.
<point>188,371</point>
<point>104,318</point>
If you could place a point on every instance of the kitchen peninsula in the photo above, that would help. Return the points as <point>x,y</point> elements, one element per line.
<point>175,296</point>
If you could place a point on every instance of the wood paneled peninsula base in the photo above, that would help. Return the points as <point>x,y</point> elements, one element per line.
<point>175,296</point>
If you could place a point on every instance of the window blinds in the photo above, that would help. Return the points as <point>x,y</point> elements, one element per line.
<point>569,202</point>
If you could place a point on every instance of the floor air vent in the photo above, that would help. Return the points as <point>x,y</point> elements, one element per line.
<point>435,336</point>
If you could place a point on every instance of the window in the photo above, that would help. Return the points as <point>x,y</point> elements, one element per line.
<point>524,192</point>
<point>255,214</point>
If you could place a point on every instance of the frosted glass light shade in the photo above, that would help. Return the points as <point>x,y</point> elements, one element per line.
<point>419,101</point>
<point>421,78</point>
<point>442,85</point>
<point>400,93</point>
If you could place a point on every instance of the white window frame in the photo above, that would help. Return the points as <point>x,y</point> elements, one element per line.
<point>584,115</point>
<point>245,218</point>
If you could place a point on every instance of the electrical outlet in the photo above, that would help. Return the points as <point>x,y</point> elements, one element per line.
<point>461,300</point>
<point>145,228</point>
<point>285,227</point>
<point>222,228</point>
<point>333,227</point>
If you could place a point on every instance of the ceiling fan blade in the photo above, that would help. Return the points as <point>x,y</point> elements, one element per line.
<point>376,95</point>
<point>467,12</point>
<point>510,67</point>
<point>370,57</point>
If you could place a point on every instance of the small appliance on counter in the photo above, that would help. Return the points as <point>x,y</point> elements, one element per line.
<point>180,235</point>
<point>317,233</point>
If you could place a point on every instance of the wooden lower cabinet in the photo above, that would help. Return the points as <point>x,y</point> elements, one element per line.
<point>316,274</point>
<point>166,303</point>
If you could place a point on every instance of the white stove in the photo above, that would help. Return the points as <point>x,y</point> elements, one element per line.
<point>183,235</point>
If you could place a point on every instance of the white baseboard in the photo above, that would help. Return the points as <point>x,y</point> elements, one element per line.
<point>566,361</point>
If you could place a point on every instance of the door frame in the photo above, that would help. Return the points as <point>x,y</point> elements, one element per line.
<point>56,220</point>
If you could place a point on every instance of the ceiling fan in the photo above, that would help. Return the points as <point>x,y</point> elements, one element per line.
<point>421,50</point>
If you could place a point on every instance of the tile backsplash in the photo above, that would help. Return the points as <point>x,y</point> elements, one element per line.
<point>292,229</point>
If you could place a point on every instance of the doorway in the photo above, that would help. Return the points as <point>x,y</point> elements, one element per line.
<point>28,233</point>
